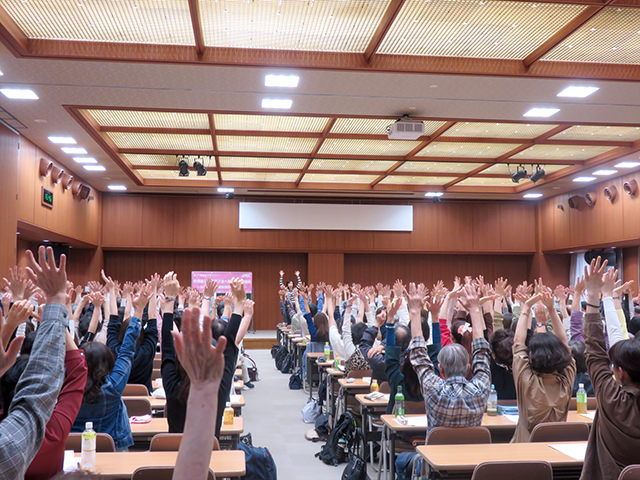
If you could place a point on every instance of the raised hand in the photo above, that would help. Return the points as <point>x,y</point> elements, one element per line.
<point>19,313</point>
<point>297,272</point>
<point>398,288</point>
<point>8,357</point>
<point>140,301</point>
<point>156,282</point>
<point>435,305</point>
<point>416,297</point>
<point>500,286</point>
<point>248,307</point>
<point>594,278</point>
<point>236,286</point>
<point>625,287</point>
<point>170,285</point>
<point>51,279</point>
<point>97,299</point>
<point>16,283</point>
<point>210,288</point>
<point>609,280</point>
<point>281,273</point>
<point>470,298</point>
<point>561,293</point>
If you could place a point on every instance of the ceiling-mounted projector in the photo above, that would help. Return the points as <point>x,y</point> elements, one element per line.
<point>405,129</point>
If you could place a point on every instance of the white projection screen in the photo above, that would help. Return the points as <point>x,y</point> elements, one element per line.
<point>317,216</point>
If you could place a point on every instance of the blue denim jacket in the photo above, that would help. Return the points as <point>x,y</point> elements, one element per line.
<point>109,414</point>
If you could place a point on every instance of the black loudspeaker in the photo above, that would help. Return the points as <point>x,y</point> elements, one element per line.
<point>58,249</point>
<point>609,254</point>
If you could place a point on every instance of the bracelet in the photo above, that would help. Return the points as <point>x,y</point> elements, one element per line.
<point>170,299</point>
<point>593,306</point>
<point>206,298</point>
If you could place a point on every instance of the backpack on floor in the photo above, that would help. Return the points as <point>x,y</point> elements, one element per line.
<point>274,351</point>
<point>295,380</point>
<point>287,364</point>
<point>356,468</point>
<point>280,357</point>
<point>336,449</point>
<point>322,426</point>
<point>259,463</point>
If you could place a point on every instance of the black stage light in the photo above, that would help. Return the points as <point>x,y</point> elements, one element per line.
<point>184,168</point>
<point>200,168</point>
<point>519,174</point>
<point>539,173</point>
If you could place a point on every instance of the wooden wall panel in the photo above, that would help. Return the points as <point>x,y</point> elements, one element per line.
<point>325,267</point>
<point>370,269</point>
<point>631,266</point>
<point>126,265</point>
<point>8,203</point>
<point>69,217</point>
<point>178,222</point>
<point>606,224</point>
<point>553,268</point>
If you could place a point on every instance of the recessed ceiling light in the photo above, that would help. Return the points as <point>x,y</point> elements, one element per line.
<point>19,93</point>
<point>1,73</point>
<point>45,241</point>
<point>279,103</point>
<point>627,164</point>
<point>584,179</point>
<point>578,91</point>
<point>286,81</point>
<point>62,140</point>
<point>74,150</point>
<point>604,172</point>
<point>543,112</point>
<point>532,195</point>
<point>226,190</point>
<point>94,168</point>
<point>434,194</point>
<point>84,160</point>
<point>117,188</point>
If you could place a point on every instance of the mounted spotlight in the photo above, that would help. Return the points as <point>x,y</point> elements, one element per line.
<point>183,166</point>
<point>539,173</point>
<point>519,174</point>
<point>200,168</point>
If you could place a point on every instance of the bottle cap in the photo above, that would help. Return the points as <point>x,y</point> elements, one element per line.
<point>581,385</point>
<point>493,387</point>
<point>228,404</point>
<point>88,425</point>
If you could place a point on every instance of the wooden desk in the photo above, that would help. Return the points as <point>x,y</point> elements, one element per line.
<point>335,372</point>
<point>113,465</point>
<point>156,403</point>
<point>146,431</point>
<point>459,461</point>
<point>358,383</point>
<point>238,385</point>
<point>312,358</point>
<point>370,409</point>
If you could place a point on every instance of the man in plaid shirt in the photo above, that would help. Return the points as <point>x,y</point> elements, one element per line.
<point>454,401</point>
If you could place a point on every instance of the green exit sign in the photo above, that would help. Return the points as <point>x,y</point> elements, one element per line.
<point>47,198</point>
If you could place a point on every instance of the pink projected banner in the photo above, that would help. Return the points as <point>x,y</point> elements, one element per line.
<point>198,279</point>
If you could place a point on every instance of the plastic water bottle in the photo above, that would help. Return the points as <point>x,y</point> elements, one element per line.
<point>374,386</point>
<point>337,361</point>
<point>227,416</point>
<point>399,403</point>
<point>88,455</point>
<point>492,401</point>
<point>581,399</point>
<point>327,350</point>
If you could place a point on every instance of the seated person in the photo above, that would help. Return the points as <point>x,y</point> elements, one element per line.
<point>582,376</point>
<point>501,364</point>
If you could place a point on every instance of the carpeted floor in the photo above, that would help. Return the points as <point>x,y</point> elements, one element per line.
<point>273,417</point>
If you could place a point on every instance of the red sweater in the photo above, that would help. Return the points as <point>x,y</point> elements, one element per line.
<point>50,458</point>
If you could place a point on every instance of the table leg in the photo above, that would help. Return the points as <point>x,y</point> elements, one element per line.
<point>309,377</point>
<point>392,454</point>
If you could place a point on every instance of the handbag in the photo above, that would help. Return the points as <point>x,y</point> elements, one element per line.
<point>311,411</point>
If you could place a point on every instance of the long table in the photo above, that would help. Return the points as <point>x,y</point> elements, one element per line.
<point>146,431</point>
<point>118,465</point>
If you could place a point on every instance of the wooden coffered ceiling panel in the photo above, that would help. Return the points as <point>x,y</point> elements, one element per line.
<point>161,141</point>
<point>472,28</point>
<point>152,160</point>
<point>438,167</point>
<point>339,146</point>
<point>559,152</point>
<point>147,119</point>
<point>358,165</point>
<point>337,178</point>
<point>259,176</point>
<point>407,180</point>
<point>471,150</point>
<point>498,130</point>
<point>272,123</point>
<point>262,163</point>
<point>488,182</point>
<point>121,21</point>
<point>603,133</point>
<point>505,169</point>
<point>297,145</point>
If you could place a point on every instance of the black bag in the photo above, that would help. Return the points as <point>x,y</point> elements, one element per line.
<point>340,439</point>
<point>274,351</point>
<point>287,364</point>
<point>322,392</point>
<point>280,357</point>
<point>295,381</point>
<point>259,463</point>
<point>322,426</point>
<point>356,468</point>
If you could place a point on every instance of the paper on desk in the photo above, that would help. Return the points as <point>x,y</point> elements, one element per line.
<point>140,419</point>
<point>159,393</point>
<point>366,379</point>
<point>591,415</point>
<point>70,461</point>
<point>235,398</point>
<point>512,418</point>
<point>418,421</point>
<point>573,450</point>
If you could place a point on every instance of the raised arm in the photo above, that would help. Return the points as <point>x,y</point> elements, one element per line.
<point>614,330</point>
<point>524,321</point>
<point>547,299</point>
<point>246,321</point>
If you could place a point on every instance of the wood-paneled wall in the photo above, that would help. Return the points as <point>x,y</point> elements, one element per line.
<point>70,218</point>
<point>8,192</point>
<point>606,224</point>
<point>428,269</point>
<point>265,267</point>
<point>325,267</point>
<point>173,222</point>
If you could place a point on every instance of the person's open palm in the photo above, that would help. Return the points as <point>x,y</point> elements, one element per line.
<point>51,279</point>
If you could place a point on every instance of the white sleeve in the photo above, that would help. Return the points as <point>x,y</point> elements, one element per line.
<point>337,345</point>
<point>613,323</point>
<point>370,318</point>
<point>347,340</point>
<point>403,314</point>
<point>566,324</point>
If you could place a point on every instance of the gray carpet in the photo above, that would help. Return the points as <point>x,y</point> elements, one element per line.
<point>273,417</point>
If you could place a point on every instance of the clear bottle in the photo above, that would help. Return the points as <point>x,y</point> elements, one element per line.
<point>327,350</point>
<point>581,399</point>
<point>227,418</point>
<point>337,361</point>
<point>88,455</point>
<point>374,386</point>
<point>398,408</point>
<point>492,401</point>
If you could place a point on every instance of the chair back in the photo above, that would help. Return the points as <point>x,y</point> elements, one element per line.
<point>104,442</point>
<point>359,373</point>
<point>135,390</point>
<point>529,470</point>
<point>508,403</point>
<point>170,442</point>
<point>592,403</point>
<point>137,406</point>
<point>157,362</point>
<point>458,435</point>
<point>560,432</point>
<point>384,387</point>
<point>159,473</point>
<point>631,472</point>
<point>155,374</point>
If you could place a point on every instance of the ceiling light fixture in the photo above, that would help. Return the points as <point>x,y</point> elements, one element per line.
<point>117,188</point>
<point>627,164</point>
<point>532,195</point>
<point>284,81</point>
<point>277,103</point>
<point>578,91</point>
<point>584,179</point>
<point>19,93</point>
<point>74,150</point>
<point>84,160</point>
<point>519,174</point>
<point>539,174</point>
<point>433,194</point>
<point>183,168</point>
<point>62,140</point>
<point>226,189</point>
<point>94,168</point>
<point>604,172</point>
<point>541,112</point>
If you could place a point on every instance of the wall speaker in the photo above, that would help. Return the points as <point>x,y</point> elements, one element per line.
<point>75,187</point>
<point>84,192</point>
<point>45,167</point>
<point>590,199</point>
<point>631,188</point>
<point>67,179</point>
<point>610,193</point>
<point>577,202</point>
<point>56,174</point>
